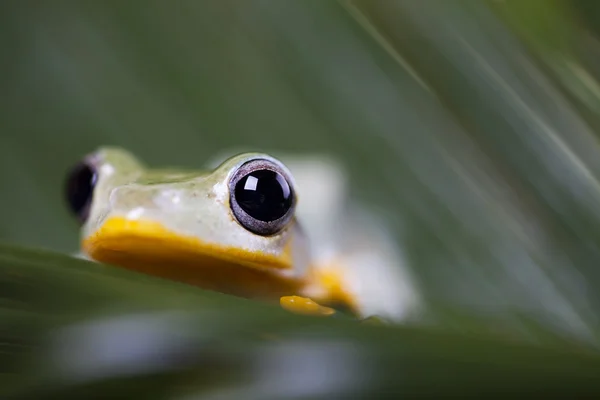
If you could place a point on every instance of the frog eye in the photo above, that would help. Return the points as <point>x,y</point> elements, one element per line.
<point>79,188</point>
<point>262,197</point>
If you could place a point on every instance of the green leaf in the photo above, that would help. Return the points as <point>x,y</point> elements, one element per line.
<point>73,329</point>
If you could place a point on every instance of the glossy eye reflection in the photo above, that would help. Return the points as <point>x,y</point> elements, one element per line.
<point>264,195</point>
<point>262,199</point>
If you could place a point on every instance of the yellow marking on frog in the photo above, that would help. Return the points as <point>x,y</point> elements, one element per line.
<point>304,305</point>
<point>331,279</point>
<point>149,247</point>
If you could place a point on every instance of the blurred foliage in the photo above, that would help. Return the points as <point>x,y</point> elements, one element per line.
<point>471,126</point>
<point>109,333</point>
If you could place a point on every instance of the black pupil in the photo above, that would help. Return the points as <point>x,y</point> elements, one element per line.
<point>265,195</point>
<point>80,187</point>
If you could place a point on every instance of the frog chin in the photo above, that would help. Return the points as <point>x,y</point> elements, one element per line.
<point>148,247</point>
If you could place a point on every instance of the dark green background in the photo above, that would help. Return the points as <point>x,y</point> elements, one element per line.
<point>470,125</point>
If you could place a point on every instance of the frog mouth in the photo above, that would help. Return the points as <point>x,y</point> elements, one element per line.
<point>148,247</point>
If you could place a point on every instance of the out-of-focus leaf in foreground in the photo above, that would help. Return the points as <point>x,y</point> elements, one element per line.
<point>73,329</point>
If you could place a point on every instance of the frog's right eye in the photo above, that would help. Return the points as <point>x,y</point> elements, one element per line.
<point>262,198</point>
<point>79,189</point>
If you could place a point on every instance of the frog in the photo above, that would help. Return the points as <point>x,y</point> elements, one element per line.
<point>241,228</point>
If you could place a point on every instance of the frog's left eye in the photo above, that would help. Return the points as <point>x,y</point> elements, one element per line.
<point>262,197</point>
<point>79,189</point>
